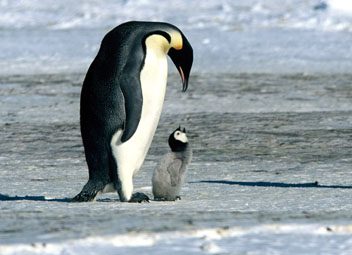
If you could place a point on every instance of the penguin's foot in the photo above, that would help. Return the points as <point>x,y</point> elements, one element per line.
<point>160,199</point>
<point>89,192</point>
<point>167,199</point>
<point>139,197</point>
<point>83,197</point>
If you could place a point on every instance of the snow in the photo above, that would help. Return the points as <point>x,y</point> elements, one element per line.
<point>268,113</point>
<point>341,6</point>
<point>295,36</point>
<point>206,241</point>
<point>267,178</point>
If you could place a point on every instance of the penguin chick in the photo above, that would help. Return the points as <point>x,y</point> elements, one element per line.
<point>169,175</point>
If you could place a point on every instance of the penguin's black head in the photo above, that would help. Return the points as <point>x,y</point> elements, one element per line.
<point>182,57</point>
<point>178,140</point>
<point>177,46</point>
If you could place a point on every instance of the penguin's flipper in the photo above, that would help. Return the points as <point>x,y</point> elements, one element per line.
<point>174,171</point>
<point>132,92</point>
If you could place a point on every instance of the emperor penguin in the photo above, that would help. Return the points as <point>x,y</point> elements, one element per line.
<point>169,175</point>
<point>121,102</point>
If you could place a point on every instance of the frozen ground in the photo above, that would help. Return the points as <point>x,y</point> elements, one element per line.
<point>231,36</point>
<point>271,170</point>
<point>268,112</point>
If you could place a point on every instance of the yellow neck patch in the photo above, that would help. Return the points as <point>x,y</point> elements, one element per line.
<point>176,40</point>
<point>158,41</point>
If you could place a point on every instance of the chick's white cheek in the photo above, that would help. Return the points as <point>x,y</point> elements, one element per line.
<point>182,137</point>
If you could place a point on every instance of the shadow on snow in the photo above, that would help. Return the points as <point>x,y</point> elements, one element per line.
<point>4,197</point>
<point>276,184</point>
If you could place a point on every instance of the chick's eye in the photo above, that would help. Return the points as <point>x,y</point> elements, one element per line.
<point>177,133</point>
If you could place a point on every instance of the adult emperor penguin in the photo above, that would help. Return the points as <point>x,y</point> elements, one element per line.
<point>169,175</point>
<point>121,102</point>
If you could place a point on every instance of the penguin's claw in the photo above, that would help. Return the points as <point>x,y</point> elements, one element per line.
<point>83,197</point>
<point>139,197</point>
<point>89,191</point>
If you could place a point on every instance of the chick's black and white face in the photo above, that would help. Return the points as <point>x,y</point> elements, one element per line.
<point>178,140</point>
<point>180,136</point>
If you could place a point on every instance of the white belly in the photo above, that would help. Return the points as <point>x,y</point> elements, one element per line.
<point>131,154</point>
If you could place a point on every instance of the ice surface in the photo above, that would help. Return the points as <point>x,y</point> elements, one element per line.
<point>270,171</point>
<point>268,112</point>
<point>228,36</point>
<point>206,241</point>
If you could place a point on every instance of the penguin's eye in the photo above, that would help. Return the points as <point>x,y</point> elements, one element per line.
<point>177,133</point>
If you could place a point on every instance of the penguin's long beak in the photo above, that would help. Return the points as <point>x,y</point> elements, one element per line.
<point>183,78</point>
<point>183,60</point>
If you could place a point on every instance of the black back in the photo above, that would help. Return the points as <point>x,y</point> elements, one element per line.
<point>111,96</point>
